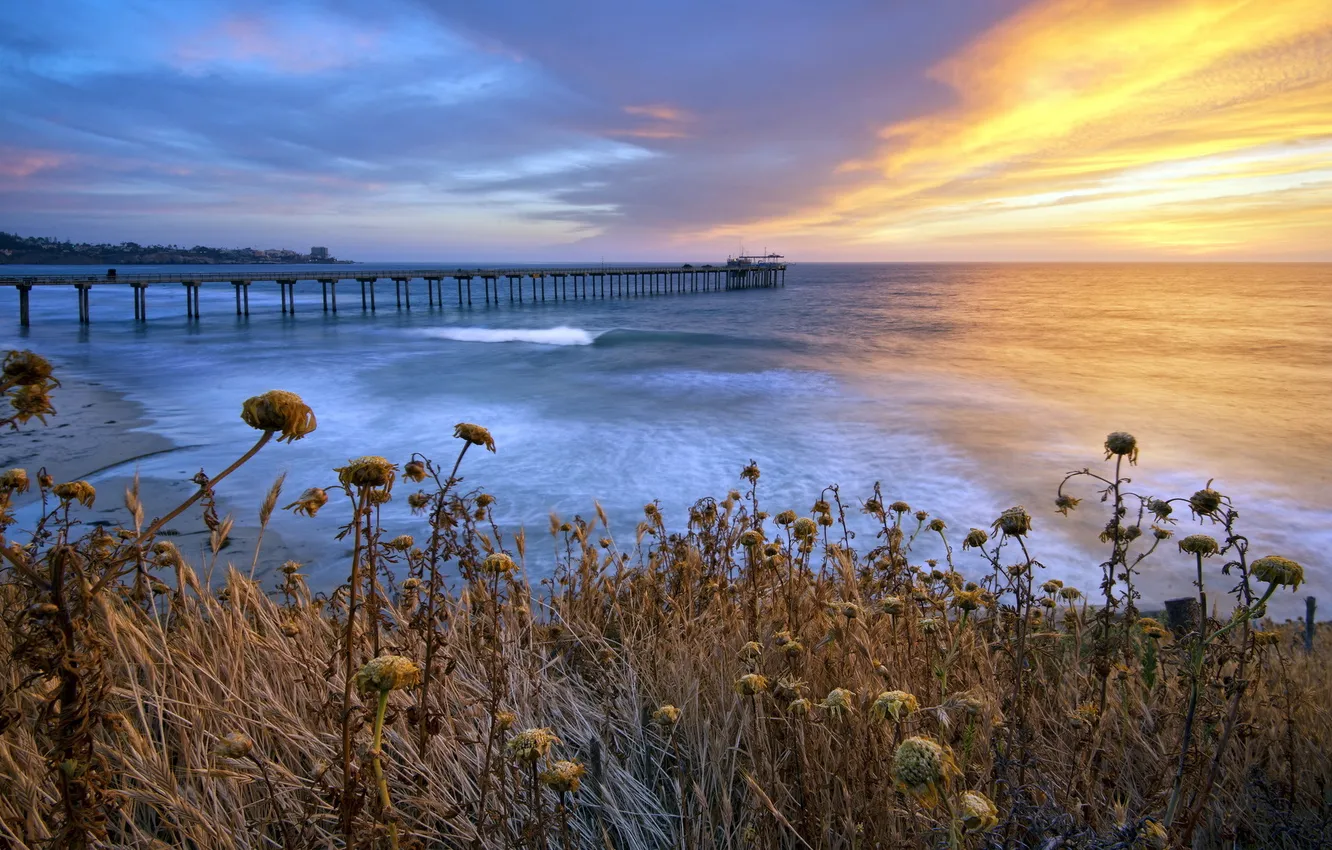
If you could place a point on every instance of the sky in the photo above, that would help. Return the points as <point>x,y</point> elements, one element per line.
<point>858,130</point>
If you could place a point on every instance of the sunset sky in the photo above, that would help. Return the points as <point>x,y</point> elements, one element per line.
<point>876,130</point>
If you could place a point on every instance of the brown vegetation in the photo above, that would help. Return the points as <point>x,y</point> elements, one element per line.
<point>746,681</point>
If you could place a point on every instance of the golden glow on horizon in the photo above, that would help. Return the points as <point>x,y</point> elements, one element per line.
<point>1171,127</point>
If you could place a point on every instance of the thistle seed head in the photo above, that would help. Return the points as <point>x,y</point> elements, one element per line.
<point>563,776</point>
<point>76,491</point>
<point>279,411</point>
<point>531,745</point>
<point>474,434</point>
<point>1277,570</point>
<point>388,673</point>
<point>894,705</point>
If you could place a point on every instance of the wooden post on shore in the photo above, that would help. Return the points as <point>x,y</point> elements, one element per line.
<point>25,317</point>
<point>1310,605</point>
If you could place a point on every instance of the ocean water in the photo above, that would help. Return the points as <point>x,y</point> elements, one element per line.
<point>963,389</point>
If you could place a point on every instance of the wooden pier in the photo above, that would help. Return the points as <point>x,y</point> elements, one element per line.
<point>514,285</point>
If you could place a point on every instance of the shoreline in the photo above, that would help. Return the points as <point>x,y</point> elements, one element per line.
<point>99,433</point>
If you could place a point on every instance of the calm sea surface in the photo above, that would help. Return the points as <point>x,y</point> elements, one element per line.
<point>964,389</point>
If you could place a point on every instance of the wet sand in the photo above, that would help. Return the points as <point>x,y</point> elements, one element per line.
<point>98,434</point>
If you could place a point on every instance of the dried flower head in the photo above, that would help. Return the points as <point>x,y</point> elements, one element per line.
<point>402,543</point>
<point>805,529</point>
<point>894,705</point>
<point>892,605</point>
<point>367,471</point>
<point>15,480</point>
<point>1014,522</point>
<point>414,470</point>
<point>563,776</point>
<point>976,539</point>
<point>388,673</point>
<point>666,716</point>
<point>418,501</point>
<point>25,369</point>
<point>937,525</point>
<point>750,651</point>
<point>279,411</point>
<point>1064,504</point>
<point>1160,508</point>
<point>1122,444</point>
<point>751,539</point>
<point>234,745</point>
<point>899,507</point>
<point>32,401</point>
<point>977,812</point>
<point>531,745</point>
<point>1199,544</point>
<point>309,503</point>
<point>921,768</point>
<point>1070,594</point>
<point>498,563</point>
<point>969,600</point>
<point>1205,502</point>
<point>800,707</point>
<point>785,518</point>
<point>873,507</point>
<point>474,434</point>
<point>1277,570</point>
<point>750,473</point>
<point>751,684</point>
<point>76,491</point>
<point>930,625</point>
<point>1268,638</point>
<point>839,702</point>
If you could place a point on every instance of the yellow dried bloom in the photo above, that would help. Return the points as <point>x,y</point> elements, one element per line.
<point>1014,522</point>
<point>310,502</point>
<point>937,525</point>
<point>1069,593</point>
<point>388,673</point>
<point>15,479</point>
<point>976,538</point>
<point>750,651</point>
<point>234,745</point>
<point>805,529</point>
<point>25,369</point>
<point>417,501</point>
<point>899,507</point>
<point>76,491</point>
<point>750,473</point>
<point>531,745</point>
<point>799,707</point>
<point>785,518</point>
<point>402,543</point>
<point>930,625</point>
<point>280,411</point>
<point>1262,638</point>
<point>474,434</point>
<point>367,471</point>
<point>33,401</point>
<point>1277,570</point>
<point>977,812</point>
<point>485,500</point>
<point>498,564</point>
<point>1199,544</point>
<point>1123,444</point>
<point>291,629</point>
<point>751,684</point>
<point>504,720</point>
<point>1064,504</point>
<point>1152,836</point>
<point>839,702</point>
<point>892,605</point>
<point>921,767</point>
<point>970,600</point>
<point>563,776</point>
<point>895,706</point>
<point>414,471</point>
<point>666,716</point>
<point>821,507</point>
<point>751,539</point>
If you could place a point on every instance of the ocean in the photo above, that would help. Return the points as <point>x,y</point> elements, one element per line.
<point>964,389</point>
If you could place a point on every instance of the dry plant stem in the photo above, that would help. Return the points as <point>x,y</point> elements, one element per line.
<point>349,670</point>
<point>376,753</point>
<point>288,842</point>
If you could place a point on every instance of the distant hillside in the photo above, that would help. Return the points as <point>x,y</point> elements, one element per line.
<point>40,250</point>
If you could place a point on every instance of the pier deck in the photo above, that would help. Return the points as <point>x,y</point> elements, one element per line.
<point>518,284</point>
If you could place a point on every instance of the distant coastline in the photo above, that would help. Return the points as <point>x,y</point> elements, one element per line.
<point>44,251</point>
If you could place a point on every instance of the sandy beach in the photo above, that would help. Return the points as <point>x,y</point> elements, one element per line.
<point>98,433</point>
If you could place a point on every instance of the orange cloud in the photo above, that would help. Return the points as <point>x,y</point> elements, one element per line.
<point>664,122</point>
<point>20,163</point>
<point>1174,126</point>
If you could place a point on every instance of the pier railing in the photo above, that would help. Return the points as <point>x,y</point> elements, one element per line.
<point>521,283</point>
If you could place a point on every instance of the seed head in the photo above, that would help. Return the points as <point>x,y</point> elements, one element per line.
<point>1064,504</point>
<point>873,507</point>
<point>388,673</point>
<point>937,525</point>
<point>976,539</point>
<point>1069,594</point>
<point>1160,508</point>
<point>799,707</point>
<point>367,471</point>
<point>969,600</point>
<point>498,564</point>
<point>76,491</point>
<point>894,705</point>
<point>414,470</point>
<point>474,434</point>
<point>821,507</point>
<point>892,605</point>
<point>921,768</point>
<point>485,500</point>
<point>899,507</point>
<point>750,473</point>
<point>839,702</point>
<point>1199,544</point>
<point>310,502</point>
<point>531,745</point>
<point>977,812</point>
<point>1205,502</point>
<point>751,650</point>
<point>417,501</point>
<point>805,529</point>
<point>751,684</point>
<point>31,401</point>
<point>930,625</point>
<point>1123,444</point>
<point>402,543</point>
<point>1014,522</point>
<point>785,518</point>
<point>1262,638</point>
<point>666,716</point>
<point>563,776</point>
<point>751,539</point>
<point>25,369</point>
<point>234,745</point>
<point>1277,570</point>
<point>15,480</point>
<point>280,411</point>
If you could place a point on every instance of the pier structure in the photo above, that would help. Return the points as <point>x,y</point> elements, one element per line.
<point>511,285</point>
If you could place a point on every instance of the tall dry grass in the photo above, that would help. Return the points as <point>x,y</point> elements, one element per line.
<point>738,679</point>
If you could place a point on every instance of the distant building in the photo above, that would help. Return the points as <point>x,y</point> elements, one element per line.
<point>317,253</point>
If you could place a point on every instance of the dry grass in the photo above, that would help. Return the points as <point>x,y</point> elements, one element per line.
<point>140,709</point>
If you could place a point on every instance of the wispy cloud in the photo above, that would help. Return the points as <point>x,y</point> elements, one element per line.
<point>1163,120</point>
<point>301,44</point>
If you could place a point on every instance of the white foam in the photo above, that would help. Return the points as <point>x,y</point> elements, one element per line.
<point>562,335</point>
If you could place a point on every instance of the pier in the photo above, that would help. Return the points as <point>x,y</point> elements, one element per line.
<point>469,287</point>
